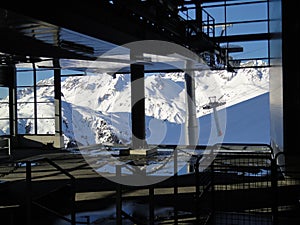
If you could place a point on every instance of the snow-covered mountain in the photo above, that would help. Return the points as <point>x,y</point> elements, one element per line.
<point>96,108</point>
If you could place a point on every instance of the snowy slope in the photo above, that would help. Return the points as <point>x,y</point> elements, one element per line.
<point>96,109</point>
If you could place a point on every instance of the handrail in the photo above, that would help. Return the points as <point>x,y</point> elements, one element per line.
<point>248,145</point>
<point>29,190</point>
<point>5,145</point>
<point>209,23</point>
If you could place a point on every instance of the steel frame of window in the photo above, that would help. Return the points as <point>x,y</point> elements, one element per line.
<point>225,4</point>
<point>35,102</point>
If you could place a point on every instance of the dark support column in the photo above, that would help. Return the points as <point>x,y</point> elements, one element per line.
<point>191,134</point>
<point>199,15</point>
<point>13,121</point>
<point>57,98</point>
<point>138,106</point>
<point>290,83</point>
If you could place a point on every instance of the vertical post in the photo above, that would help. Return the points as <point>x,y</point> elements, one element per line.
<point>175,185</point>
<point>217,122</point>
<point>274,185</point>
<point>225,34</point>
<point>199,15</point>
<point>73,202</point>
<point>13,121</point>
<point>191,123</point>
<point>213,208</point>
<point>28,193</point>
<point>151,205</point>
<point>88,220</point>
<point>138,106</point>
<point>57,97</point>
<point>8,146</point>
<point>197,183</point>
<point>35,125</point>
<point>118,197</point>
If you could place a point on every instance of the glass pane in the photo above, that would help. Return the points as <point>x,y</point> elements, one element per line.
<point>45,110</point>
<point>4,110</point>
<point>25,94</point>
<point>4,127</point>
<point>26,126</point>
<point>251,49</point>
<point>247,28</point>
<point>44,77</point>
<point>25,78</point>
<point>69,72</point>
<point>158,131</point>
<point>247,12</point>
<point>46,126</point>
<point>25,110</point>
<point>4,92</point>
<point>217,13</point>
<point>45,94</point>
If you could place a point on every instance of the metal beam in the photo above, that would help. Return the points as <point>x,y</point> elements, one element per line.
<point>15,43</point>
<point>242,38</point>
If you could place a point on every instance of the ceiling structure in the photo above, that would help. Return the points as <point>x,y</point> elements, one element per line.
<point>87,31</point>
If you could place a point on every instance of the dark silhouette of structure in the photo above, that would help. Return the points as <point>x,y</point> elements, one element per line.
<point>266,177</point>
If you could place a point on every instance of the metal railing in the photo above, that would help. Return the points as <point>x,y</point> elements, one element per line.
<point>244,184</point>
<point>208,24</point>
<point>201,181</point>
<point>29,193</point>
<point>240,173</point>
<point>286,190</point>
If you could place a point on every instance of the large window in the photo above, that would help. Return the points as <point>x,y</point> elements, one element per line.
<point>35,101</point>
<point>4,111</point>
<point>242,24</point>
